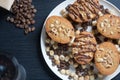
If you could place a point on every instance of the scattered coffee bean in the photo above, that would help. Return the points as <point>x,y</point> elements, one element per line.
<point>33,28</point>
<point>23,15</point>
<point>8,18</point>
<point>11,19</point>
<point>32,21</point>
<point>29,29</point>
<point>34,10</point>
<point>26,31</point>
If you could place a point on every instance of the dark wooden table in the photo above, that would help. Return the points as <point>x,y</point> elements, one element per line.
<point>27,48</point>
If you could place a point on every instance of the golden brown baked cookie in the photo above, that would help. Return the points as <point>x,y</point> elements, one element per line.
<point>106,58</point>
<point>83,10</point>
<point>84,47</point>
<point>59,29</point>
<point>109,26</point>
<point>119,58</point>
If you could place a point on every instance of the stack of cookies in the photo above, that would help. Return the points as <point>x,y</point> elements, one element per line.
<point>73,46</point>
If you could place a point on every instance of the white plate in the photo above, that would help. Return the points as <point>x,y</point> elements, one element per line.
<point>56,11</point>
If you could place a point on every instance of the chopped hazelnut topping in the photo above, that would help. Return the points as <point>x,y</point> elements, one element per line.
<point>57,22</point>
<point>111,33</point>
<point>105,20</point>
<point>102,24</point>
<point>101,49</point>
<point>108,25</point>
<point>104,30</point>
<point>99,60</point>
<point>52,25</point>
<point>100,13</point>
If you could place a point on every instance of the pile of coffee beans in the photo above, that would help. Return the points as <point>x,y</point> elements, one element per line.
<point>23,15</point>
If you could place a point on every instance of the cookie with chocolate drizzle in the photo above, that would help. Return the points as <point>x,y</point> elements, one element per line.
<point>84,10</point>
<point>84,47</point>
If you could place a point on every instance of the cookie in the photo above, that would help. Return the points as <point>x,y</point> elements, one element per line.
<point>106,58</point>
<point>84,47</point>
<point>109,26</point>
<point>59,29</point>
<point>84,10</point>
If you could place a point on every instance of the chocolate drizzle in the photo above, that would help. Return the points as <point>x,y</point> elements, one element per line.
<point>83,10</point>
<point>86,46</point>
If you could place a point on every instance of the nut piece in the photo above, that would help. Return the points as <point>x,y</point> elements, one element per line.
<point>87,77</point>
<point>72,74</point>
<point>94,23</point>
<point>57,62</point>
<point>47,49</point>
<point>100,13</point>
<point>104,30</point>
<point>62,57</point>
<point>92,77</point>
<point>84,66</point>
<point>100,76</point>
<point>57,22</point>
<point>111,33</point>
<point>52,25</point>
<point>56,57</point>
<point>64,13</point>
<point>75,77</point>
<point>51,53</point>
<point>62,71</point>
<point>101,49</point>
<point>67,72</point>
<point>102,25</point>
<point>82,78</point>
<point>99,60</point>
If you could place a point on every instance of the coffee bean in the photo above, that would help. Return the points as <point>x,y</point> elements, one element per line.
<point>34,10</point>
<point>26,26</point>
<point>23,14</point>
<point>29,16</point>
<point>33,28</point>
<point>23,20</point>
<point>26,31</point>
<point>30,1</point>
<point>33,15</point>
<point>28,22</point>
<point>32,6</point>
<point>21,26</point>
<point>29,29</point>
<point>32,21</point>
<point>17,25</point>
<point>11,19</point>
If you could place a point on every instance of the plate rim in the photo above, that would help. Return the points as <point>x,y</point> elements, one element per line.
<point>43,29</point>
